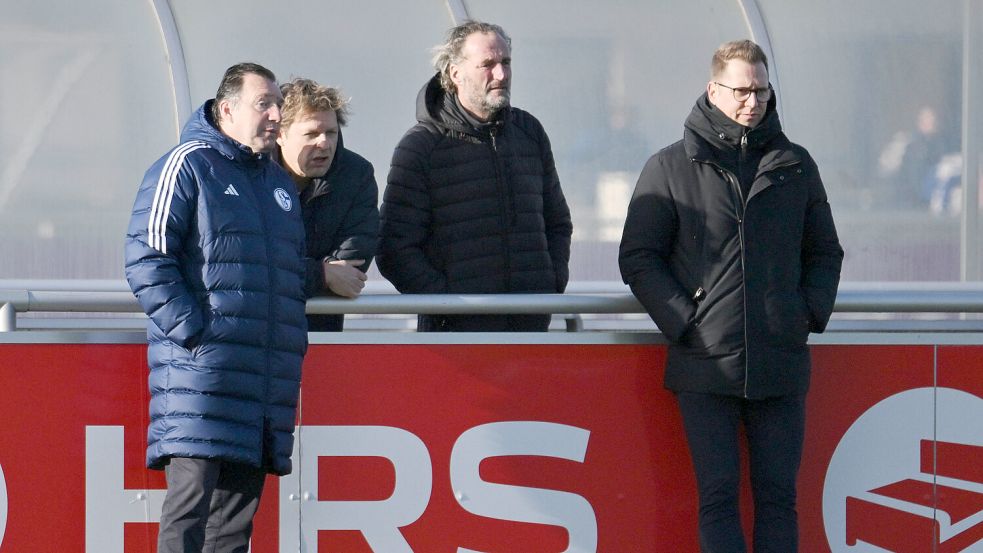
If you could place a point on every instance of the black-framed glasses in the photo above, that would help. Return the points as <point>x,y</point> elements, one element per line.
<point>741,94</point>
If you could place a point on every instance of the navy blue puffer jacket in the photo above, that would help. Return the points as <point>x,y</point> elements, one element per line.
<point>215,256</point>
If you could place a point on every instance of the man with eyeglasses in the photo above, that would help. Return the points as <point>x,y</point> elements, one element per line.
<point>730,246</point>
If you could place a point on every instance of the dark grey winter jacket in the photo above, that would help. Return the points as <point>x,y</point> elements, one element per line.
<point>735,283</point>
<point>341,219</point>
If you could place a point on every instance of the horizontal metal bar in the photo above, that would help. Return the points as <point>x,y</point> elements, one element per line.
<point>66,285</point>
<point>124,302</point>
<point>114,297</point>
<point>457,304</point>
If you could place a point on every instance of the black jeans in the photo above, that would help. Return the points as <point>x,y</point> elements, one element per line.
<point>775,428</point>
<point>209,506</point>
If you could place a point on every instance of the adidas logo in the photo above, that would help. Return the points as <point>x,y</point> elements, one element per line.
<point>231,191</point>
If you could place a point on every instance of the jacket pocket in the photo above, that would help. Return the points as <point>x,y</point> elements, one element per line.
<point>798,323</point>
<point>785,320</point>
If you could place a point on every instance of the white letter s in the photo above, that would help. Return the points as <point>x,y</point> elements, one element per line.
<point>567,510</point>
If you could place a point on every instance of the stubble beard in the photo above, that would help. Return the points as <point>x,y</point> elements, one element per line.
<point>494,104</point>
<point>489,102</point>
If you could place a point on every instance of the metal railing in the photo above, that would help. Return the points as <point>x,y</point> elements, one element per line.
<point>110,296</point>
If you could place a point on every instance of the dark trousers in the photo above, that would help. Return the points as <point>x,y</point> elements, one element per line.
<point>209,506</point>
<point>775,428</point>
<point>483,323</point>
<point>325,323</point>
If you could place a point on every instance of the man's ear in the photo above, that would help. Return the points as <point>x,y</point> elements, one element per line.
<point>711,92</point>
<point>454,72</point>
<point>225,109</point>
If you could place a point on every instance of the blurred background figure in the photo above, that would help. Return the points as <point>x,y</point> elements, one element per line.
<point>605,164</point>
<point>945,194</point>
<point>907,164</point>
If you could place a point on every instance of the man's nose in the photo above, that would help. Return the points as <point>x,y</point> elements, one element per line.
<point>274,113</point>
<point>499,72</point>
<point>752,99</point>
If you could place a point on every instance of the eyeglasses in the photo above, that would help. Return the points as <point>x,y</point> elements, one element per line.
<point>741,94</point>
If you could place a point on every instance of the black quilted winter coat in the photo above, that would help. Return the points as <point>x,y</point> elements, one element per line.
<point>474,210</point>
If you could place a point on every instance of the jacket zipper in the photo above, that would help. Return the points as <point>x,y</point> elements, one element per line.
<point>740,205</point>
<point>271,317</point>
<point>506,207</point>
<point>742,202</point>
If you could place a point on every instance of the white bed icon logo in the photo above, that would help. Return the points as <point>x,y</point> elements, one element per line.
<point>881,491</point>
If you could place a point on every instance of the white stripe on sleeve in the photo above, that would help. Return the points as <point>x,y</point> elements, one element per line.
<point>161,208</point>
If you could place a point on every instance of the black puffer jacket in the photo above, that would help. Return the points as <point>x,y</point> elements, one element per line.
<point>474,210</point>
<point>735,284</point>
<point>341,219</point>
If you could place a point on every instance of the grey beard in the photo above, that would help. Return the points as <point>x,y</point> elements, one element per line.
<point>492,105</point>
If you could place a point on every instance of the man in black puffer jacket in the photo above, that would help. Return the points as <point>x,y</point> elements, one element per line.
<point>730,246</point>
<point>473,203</point>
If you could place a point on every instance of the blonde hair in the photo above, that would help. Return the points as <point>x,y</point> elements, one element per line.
<point>306,96</point>
<point>743,50</point>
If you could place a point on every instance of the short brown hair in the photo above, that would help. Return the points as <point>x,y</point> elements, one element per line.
<point>302,96</point>
<point>743,50</point>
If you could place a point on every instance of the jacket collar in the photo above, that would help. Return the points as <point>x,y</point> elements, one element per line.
<point>201,127</point>
<point>434,106</point>
<point>711,136</point>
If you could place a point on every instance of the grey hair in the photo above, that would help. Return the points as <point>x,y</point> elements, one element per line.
<point>449,53</point>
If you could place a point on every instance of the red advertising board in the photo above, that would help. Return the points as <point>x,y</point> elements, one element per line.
<point>497,448</point>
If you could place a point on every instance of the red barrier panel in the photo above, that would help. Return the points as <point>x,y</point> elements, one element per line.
<point>497,448</point>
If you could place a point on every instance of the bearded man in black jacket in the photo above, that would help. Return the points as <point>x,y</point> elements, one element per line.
<point>473,203</point>
<point>730,246</point>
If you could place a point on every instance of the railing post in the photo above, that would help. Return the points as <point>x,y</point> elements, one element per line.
<point>8,317</point>
<point>575,323</point>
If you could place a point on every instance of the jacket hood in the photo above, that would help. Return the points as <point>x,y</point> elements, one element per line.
<point>435,107</point>
<point>202,127</point>
<point>712,136</point>
<point>722,133</point>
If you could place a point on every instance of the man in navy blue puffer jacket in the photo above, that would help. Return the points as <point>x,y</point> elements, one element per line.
<point>215,256</point>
